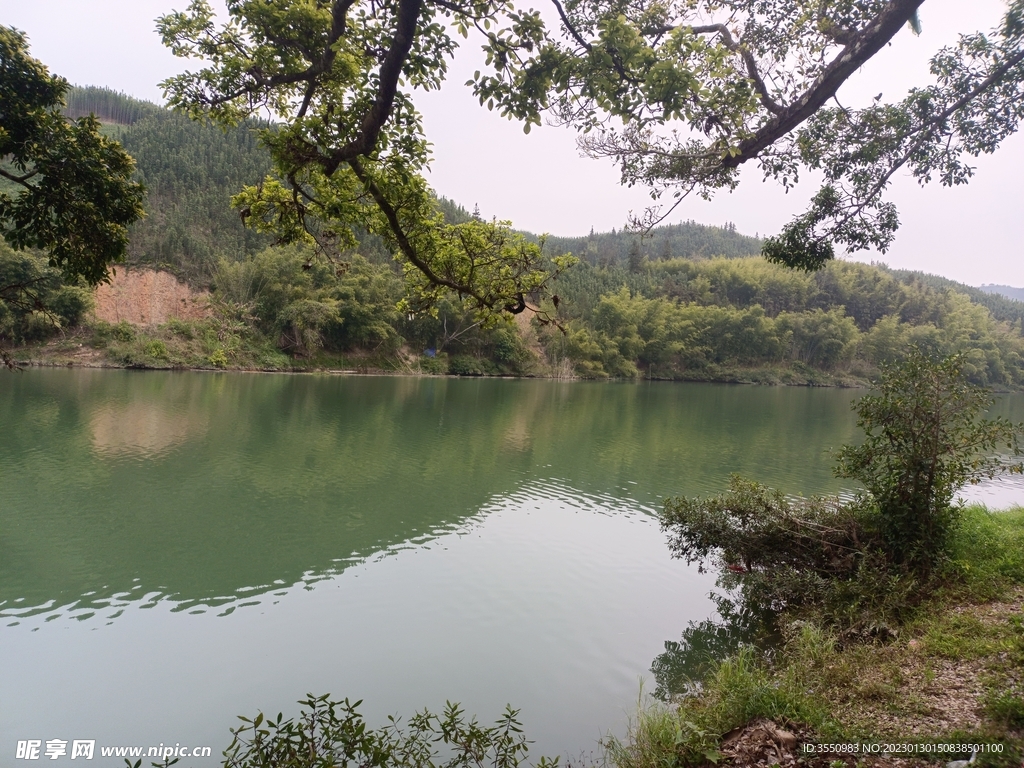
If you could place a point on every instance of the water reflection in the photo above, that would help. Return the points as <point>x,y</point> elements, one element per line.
<point>213,489</point>
<point>684,663</point>
<point>142,430</point>
<point>399,540</point>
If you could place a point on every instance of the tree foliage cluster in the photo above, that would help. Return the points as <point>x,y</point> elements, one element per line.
<point>36,301</point>
<point>64,187</point>
<point>873,557</point>
<point>348,153</point>
<point>679,96</point>
<point>696,318</point>
<point>308,306</point>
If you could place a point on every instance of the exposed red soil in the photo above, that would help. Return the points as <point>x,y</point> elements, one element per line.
<point>149,297</point>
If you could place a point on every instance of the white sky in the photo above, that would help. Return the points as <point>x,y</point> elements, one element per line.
<point>974,234</point>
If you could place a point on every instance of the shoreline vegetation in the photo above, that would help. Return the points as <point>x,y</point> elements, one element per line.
<point>274,314</point>
<point>952,672</point>
<point>686,302</point>
<point>78,348</point>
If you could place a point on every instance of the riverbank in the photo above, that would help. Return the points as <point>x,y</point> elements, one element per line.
<point>211,345</point>
<point>952,674</point>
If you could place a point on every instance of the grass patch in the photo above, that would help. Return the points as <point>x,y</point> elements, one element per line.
<point>987,551</point>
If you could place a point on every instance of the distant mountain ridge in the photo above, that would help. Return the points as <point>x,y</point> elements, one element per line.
<point>1017,294</point>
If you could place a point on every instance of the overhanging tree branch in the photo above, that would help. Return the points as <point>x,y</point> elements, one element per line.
<point>748,60</point>
<point>862,47</point>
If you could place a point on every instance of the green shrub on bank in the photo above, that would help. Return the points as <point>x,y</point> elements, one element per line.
<point>221,341</point>
<point>464,365</point>
<point>861,565</point>
<point>434,364</point>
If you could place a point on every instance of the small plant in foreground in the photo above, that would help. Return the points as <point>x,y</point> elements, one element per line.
<point>331,734</point>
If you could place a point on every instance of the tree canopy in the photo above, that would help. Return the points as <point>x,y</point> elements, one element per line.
<point>66,189</point>
<point>350,151</point>
<point>679,95</point>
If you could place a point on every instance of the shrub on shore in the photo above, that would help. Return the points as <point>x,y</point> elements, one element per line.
<point>871,598</point>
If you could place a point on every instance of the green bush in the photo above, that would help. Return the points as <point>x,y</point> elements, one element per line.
<point>509,349</point>
<point>123,331</point>
<point>333,733</point>
<point>70,303</point>
<point>181,328</point>
<point>437,365</point>
<point>309,303</point>
<point>464,365</point>
<point>924,441</point>
<point>156,349</point>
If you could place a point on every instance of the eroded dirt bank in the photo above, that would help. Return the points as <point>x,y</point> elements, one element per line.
<point>148,297</point>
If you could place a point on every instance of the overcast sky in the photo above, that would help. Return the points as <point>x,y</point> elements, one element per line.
<point>974,234</point>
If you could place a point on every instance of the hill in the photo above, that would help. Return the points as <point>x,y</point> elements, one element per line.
<point>191,170</point>
<point>1002,307</point>
<point>688,301</point>
<point>686,240</point>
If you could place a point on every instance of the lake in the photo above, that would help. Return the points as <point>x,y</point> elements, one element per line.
<point>177,549</point>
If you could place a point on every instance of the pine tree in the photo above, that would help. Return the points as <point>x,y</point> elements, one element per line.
<point>637,260</point>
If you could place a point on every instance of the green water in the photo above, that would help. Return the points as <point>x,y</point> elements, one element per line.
<point>180,548</point>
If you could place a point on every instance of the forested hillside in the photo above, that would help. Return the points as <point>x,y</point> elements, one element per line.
<point>688,301</point>
<point>685,240</point>
<point>190,170</point>
<point>746,319</point>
